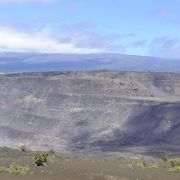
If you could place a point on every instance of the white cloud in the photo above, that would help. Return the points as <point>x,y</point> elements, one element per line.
<point>40,41</point>
<point>166,47</point>
<point>24,1</point>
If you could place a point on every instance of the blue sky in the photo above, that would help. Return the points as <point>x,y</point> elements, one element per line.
<point>141,27</point>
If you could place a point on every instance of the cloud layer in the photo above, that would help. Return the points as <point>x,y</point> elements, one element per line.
<point>84,41</point>
<point>45,40</point>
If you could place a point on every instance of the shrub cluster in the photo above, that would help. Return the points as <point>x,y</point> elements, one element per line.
<point>41,159</point>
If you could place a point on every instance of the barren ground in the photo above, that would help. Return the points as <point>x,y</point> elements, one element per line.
<point>81,168</point>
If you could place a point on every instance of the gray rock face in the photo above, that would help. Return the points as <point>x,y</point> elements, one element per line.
<point>90,111</point>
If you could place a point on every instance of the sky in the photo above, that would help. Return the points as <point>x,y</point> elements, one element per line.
<point>134,27</point>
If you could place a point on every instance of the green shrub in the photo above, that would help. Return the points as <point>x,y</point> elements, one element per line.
<point>41,159</point>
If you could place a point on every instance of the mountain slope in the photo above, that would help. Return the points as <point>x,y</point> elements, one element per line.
<point>90,111</point>
<point>23,62</point>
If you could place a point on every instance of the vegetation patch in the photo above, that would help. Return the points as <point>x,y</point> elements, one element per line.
<point>175,166</point>
<point>153,165</point>
<point>14,169</point>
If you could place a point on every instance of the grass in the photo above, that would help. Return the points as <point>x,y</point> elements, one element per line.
<point>172,165</point>
<point>4,169</point>
<point>14,169</point>
<point>140,164</point>
<point>146,164</point>
<point>153,166</point>
<point>175,166</point>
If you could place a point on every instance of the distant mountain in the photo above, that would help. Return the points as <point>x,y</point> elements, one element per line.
<point>22,62</point>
